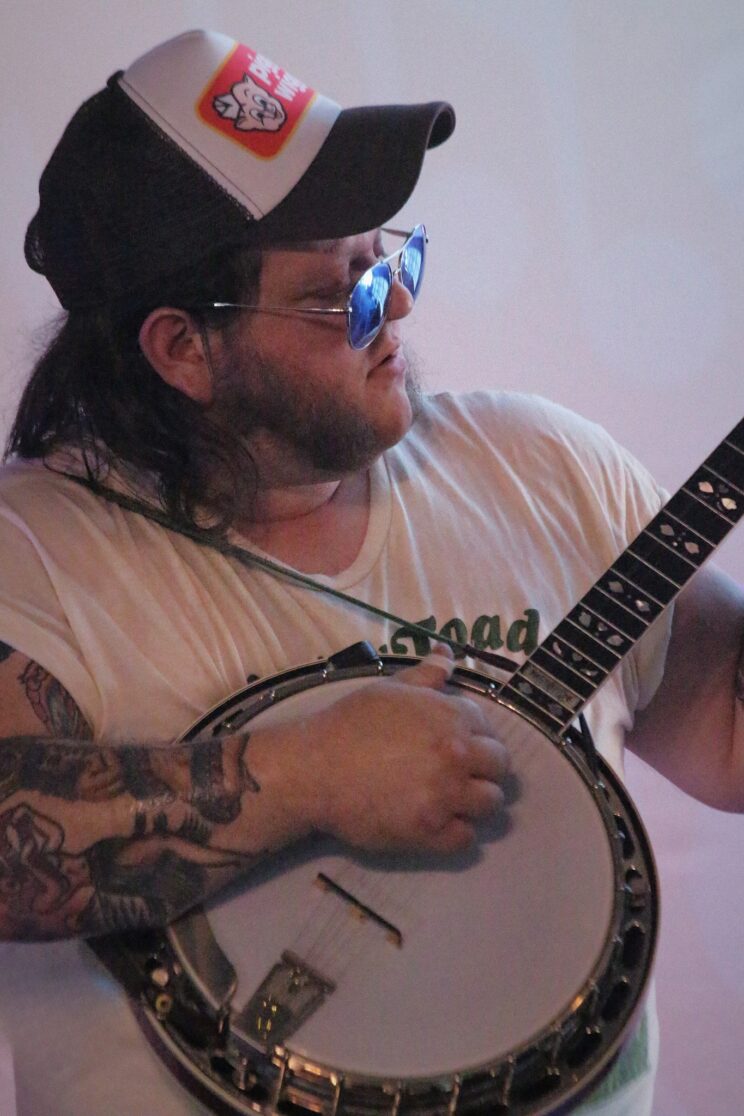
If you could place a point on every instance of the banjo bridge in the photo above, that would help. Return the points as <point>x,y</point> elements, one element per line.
<point>360,909</point>
<point>290,992</point>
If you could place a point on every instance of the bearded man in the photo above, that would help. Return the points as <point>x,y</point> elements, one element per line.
<point>221,468</point>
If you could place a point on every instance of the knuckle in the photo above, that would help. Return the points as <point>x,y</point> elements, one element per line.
<point>432,814</point>
<point>452,753</point>
<point>497,797</point>
<point>461,837</point>
<point>504,757</point>
<point>473,711</point>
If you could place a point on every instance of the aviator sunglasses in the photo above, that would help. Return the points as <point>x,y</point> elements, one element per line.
<point>368,302</point>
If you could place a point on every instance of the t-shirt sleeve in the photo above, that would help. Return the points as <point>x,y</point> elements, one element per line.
<point>31,618</point>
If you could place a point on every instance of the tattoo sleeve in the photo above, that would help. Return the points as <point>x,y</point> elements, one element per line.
<point>53,705</point>
<point>95,839</point>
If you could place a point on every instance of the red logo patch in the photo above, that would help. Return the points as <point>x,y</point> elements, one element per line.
<point>254,102</point>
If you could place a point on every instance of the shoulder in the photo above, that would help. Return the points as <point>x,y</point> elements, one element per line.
<point>526,427</point>
<point>519,419</point>
<point>549,451</point>
<point>20,479</point>
<point>33,494</point>
<point>27,491</point>
<point>17,475</point>
<point>47,514</point>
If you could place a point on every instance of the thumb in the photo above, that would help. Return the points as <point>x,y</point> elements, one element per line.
<point>433,671</point>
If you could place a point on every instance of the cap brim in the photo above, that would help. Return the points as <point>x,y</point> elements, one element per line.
<point>364,173</point>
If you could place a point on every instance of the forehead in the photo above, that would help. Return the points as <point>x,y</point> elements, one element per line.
<point>340,246</point>
<point>317,258</point>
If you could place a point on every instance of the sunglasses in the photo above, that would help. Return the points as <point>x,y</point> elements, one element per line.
<point>369,299</point>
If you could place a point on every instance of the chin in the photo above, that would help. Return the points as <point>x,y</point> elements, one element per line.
<point>345,437</point>
<point>393,423</point>
<point>401,406</point>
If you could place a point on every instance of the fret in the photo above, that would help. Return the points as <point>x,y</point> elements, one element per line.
<point>728,464</point>
<point>606,641</point>
<point>614,613</point>
<point>580,663</point>
<point>680,538</point>
<point>677,569</point>
<point>725,487</point>
<point>736,437</point>
<point>537,716</point>
<point>646,577</point>
<point>558,668</point>
<point>534,675</point>
<point>629,596</point>
<point>716,495</point>
<point>538,708</point>
<point>697,516</point>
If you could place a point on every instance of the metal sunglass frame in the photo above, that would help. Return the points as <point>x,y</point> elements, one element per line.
<point>347,310</point>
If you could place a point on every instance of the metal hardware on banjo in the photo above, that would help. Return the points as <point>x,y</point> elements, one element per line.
<point>505,980</point>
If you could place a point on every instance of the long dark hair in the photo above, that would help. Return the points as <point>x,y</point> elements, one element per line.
<point>93,390</point>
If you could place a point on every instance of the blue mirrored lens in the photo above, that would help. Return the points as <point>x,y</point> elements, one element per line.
<point>368,304</point>
<point>412,261</point>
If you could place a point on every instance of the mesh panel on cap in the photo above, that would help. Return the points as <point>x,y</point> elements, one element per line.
<point>121,204</point>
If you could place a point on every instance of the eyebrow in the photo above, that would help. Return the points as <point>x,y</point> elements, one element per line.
<point>345,272</point>
<point>326,247</point>
<point>319,284</point>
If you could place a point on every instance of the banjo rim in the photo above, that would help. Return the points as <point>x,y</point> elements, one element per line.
<point>589,1034</point>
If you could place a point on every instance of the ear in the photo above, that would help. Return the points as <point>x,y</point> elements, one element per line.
<point>174,345</point>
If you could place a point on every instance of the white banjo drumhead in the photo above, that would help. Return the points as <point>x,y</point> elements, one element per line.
<point>494,945</point>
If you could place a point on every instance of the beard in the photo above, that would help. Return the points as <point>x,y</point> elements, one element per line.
<point>326,431</point>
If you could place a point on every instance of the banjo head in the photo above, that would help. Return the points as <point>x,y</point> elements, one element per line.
<point>330,980</point>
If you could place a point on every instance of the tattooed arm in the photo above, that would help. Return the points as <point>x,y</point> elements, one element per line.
<point>95,838</point>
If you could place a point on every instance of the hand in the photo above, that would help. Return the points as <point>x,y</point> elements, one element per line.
<point>400,764</point>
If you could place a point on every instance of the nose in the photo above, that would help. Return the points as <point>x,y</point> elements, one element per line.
<point>401,300</point>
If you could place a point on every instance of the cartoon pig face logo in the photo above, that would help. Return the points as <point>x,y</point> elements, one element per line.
<point>250,107</point>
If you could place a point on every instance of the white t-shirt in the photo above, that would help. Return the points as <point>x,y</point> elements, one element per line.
<point>488,522</point>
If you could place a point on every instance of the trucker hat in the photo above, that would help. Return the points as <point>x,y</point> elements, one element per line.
<point>204,143</point>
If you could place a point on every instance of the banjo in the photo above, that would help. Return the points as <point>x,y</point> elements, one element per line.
<point>504,980</point>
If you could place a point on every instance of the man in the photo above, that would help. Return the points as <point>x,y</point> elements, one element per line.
<point>231,373</point>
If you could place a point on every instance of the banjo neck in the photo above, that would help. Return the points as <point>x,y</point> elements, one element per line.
<point>554,684</point>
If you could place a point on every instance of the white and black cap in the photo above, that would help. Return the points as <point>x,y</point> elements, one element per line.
<point>203,143</point>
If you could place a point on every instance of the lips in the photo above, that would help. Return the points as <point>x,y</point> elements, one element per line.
<point>391,357</point>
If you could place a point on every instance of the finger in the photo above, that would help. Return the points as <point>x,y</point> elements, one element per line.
<point>477,798</point>
<point>456,836</point>
<point>433,671</point>
<point>474,715</point>
<point>487,758</point>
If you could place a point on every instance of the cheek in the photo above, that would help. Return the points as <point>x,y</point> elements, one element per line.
<point>312,353</point>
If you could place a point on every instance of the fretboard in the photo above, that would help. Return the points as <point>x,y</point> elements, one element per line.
<point>565,671</point>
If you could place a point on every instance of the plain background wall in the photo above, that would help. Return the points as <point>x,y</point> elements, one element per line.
<point>586,225</point>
